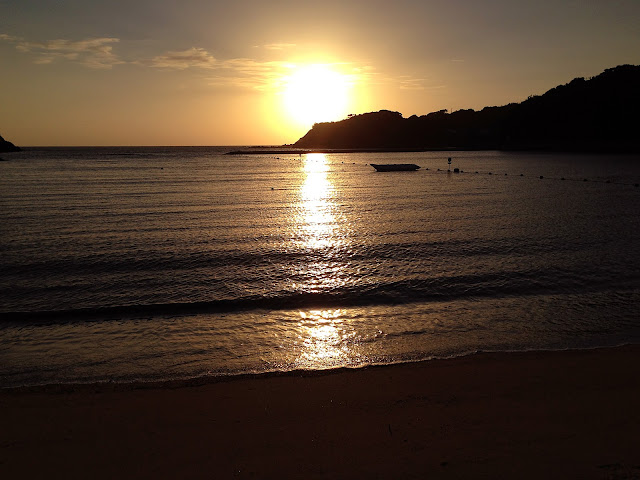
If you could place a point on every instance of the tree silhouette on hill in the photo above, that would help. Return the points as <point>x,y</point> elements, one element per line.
<point>596,114</point>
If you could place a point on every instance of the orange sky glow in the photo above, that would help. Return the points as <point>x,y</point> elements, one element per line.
<point>248,72</point>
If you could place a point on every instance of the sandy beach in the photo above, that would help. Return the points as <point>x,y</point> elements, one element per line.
<point>570,414</point>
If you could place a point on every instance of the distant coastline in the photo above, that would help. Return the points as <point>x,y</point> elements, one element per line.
<point>285,150</point>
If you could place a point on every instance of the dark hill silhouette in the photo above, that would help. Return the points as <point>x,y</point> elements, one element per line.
<point>7,146</point>
<point>598,114</point>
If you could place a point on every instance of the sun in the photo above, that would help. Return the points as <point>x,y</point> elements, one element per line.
<point>316,93</point>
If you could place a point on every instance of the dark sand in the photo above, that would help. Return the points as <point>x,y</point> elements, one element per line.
<point>509,415</point>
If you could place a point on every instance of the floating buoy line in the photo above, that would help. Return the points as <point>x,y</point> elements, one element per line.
<point>540,177</point>
<point>458,171</point>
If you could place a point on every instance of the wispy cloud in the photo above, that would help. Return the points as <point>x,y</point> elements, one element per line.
<point>234,72</point>
<point>193,57</point>
<point>244,73</point>
<point>250,73</point>
<point>275,75</point>
<point>403,82</point>
<point>90,52</point>
<point>278,46</point>
<point>406,82</point>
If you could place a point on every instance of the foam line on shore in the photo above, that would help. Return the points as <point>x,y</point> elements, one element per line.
<point>203,380</point>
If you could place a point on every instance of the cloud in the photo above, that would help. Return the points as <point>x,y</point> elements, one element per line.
<point>273,76</point>
<point>183,59</point>
<point>406,82</point>
<point>370,75</point>
<point>279,46</point>
<point>249,73</point>
<point>90,52</point>
<point>245,73</point>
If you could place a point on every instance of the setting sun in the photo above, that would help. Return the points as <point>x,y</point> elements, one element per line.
<point>316,93</point>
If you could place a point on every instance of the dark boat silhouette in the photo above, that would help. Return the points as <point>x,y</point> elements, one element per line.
<point>394,167</point>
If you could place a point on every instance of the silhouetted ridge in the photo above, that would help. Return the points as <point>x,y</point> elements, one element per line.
<point>594,114</point>
<point>7,146</point>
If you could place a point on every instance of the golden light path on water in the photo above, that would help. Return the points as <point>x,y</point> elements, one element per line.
<point>323,334</point>
<point>317,219</point>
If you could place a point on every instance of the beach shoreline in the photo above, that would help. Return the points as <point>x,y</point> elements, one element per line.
<point>551,414</point>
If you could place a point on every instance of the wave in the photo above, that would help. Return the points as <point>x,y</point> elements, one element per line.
<point>227,254</point>
<point>403,292</point>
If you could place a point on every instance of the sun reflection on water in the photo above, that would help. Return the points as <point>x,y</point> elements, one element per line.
<point>317,216</point>
<point>320,231</point>
<point>323,336</point>
<point>324,339</point>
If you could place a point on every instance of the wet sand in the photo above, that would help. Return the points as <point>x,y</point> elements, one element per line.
<point>563,415</point>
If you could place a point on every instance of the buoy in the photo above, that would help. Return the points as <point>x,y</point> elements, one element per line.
<point>490,173</point>
<point>585,180</point>
<point>541,177</point>
<point>562,178</point>
<point>522,174</point>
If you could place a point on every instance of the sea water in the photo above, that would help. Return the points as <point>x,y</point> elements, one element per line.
<point>146,264</point>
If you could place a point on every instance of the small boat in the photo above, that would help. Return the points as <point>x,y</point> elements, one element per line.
<point>395,167</point>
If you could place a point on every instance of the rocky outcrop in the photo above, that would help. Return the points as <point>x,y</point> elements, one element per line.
<point>6,146</point>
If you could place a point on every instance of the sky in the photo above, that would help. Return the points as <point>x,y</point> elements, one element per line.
<point>261,72</point>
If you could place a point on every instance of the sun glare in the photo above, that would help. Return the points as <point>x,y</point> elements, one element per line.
<point>316,93</point>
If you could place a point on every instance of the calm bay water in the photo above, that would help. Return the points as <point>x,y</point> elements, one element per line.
<point>125,264</point>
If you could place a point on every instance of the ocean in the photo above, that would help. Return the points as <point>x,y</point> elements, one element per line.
<point>133,264</point>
